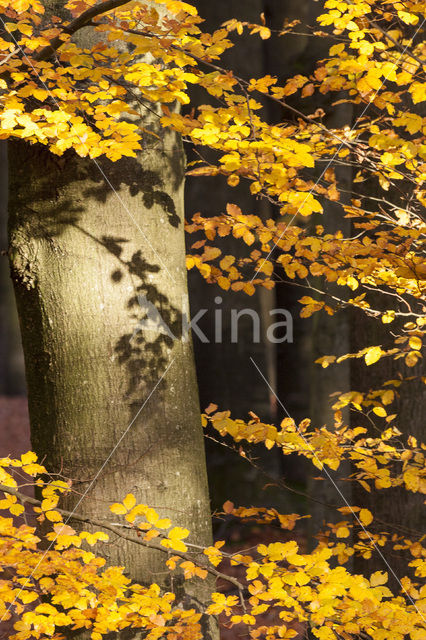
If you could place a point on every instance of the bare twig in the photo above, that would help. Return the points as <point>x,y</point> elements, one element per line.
<point>10,55</point>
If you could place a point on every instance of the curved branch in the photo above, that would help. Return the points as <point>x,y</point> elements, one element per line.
<point>109,527</point>
<point>81,21</point>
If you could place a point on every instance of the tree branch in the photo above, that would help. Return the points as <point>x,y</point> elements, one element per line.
<point>10,55</point>
<point>81,21</point>
<point>404,51</point>
<point>109,527</point>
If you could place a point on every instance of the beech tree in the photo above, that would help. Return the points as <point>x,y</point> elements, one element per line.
<point>92,242</point>
<point>89,95</point>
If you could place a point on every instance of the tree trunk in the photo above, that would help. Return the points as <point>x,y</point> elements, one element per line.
<point>96,246</point>
<point>224,367</point>
<point>12,376</point>
<point>396,510</point>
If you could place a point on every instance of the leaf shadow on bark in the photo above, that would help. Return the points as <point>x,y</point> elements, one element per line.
<point>138,180</point>
<point>157,322</point>
<point>55,200</point>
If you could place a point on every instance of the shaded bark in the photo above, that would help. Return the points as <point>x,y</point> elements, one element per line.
<point>396,510</point>
<point>304,387</point>
<point>96,248</point>
<point>79,265</point>
<point>12,375</point>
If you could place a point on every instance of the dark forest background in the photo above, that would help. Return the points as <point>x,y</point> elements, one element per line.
<point>226,375</point>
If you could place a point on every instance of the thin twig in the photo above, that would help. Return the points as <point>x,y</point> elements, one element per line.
<point>10,55</point>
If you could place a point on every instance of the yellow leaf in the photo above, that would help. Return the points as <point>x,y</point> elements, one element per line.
<point>16,509</point>
<point>29,457</point>
<point>388,316</point>
<point>118,508</point>
<point>343,532</point>
<point>233,180</point>
<point>53,516</point>
<point>352,283</point>
<point>324,633</point>
<point>378,577</point>
<point>266,267</point>
<point>92,538</point>
<point>177,533</point>
<point>129,501</point>
<point>213,554</point>
<point>373,355</point>
<point>28,596</point>
<point>415,343</point>
<point>418,92</point>
<point>64,529</point>
<point>388,396</point>
<point>380,411</point>
<point>248,237</point>
<point>224,283</point>
<point>171,562</point>
<point>151,534</point>
<point>366,517</point>
<point>204,269</point>
<point>49,503</point>
<point>177,545</point>
<point>163,523</point>
<point>411,358</point>
<point>211,253</point>
<point>228,506</point>
<point>296,559</point>
<point>227,262</point>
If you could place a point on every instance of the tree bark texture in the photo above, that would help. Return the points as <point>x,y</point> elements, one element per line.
<point>396,510</point>
<point>112,406</point>
<point>97,252</point>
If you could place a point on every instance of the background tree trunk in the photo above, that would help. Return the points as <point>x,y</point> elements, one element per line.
<point>12,375</point>
<point>225,372</point>
<point>304,388</point>
<point>396,510</point>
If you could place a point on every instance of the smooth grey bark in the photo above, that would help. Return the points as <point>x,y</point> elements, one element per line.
<point>79,264</point>
<point>113,401</point>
